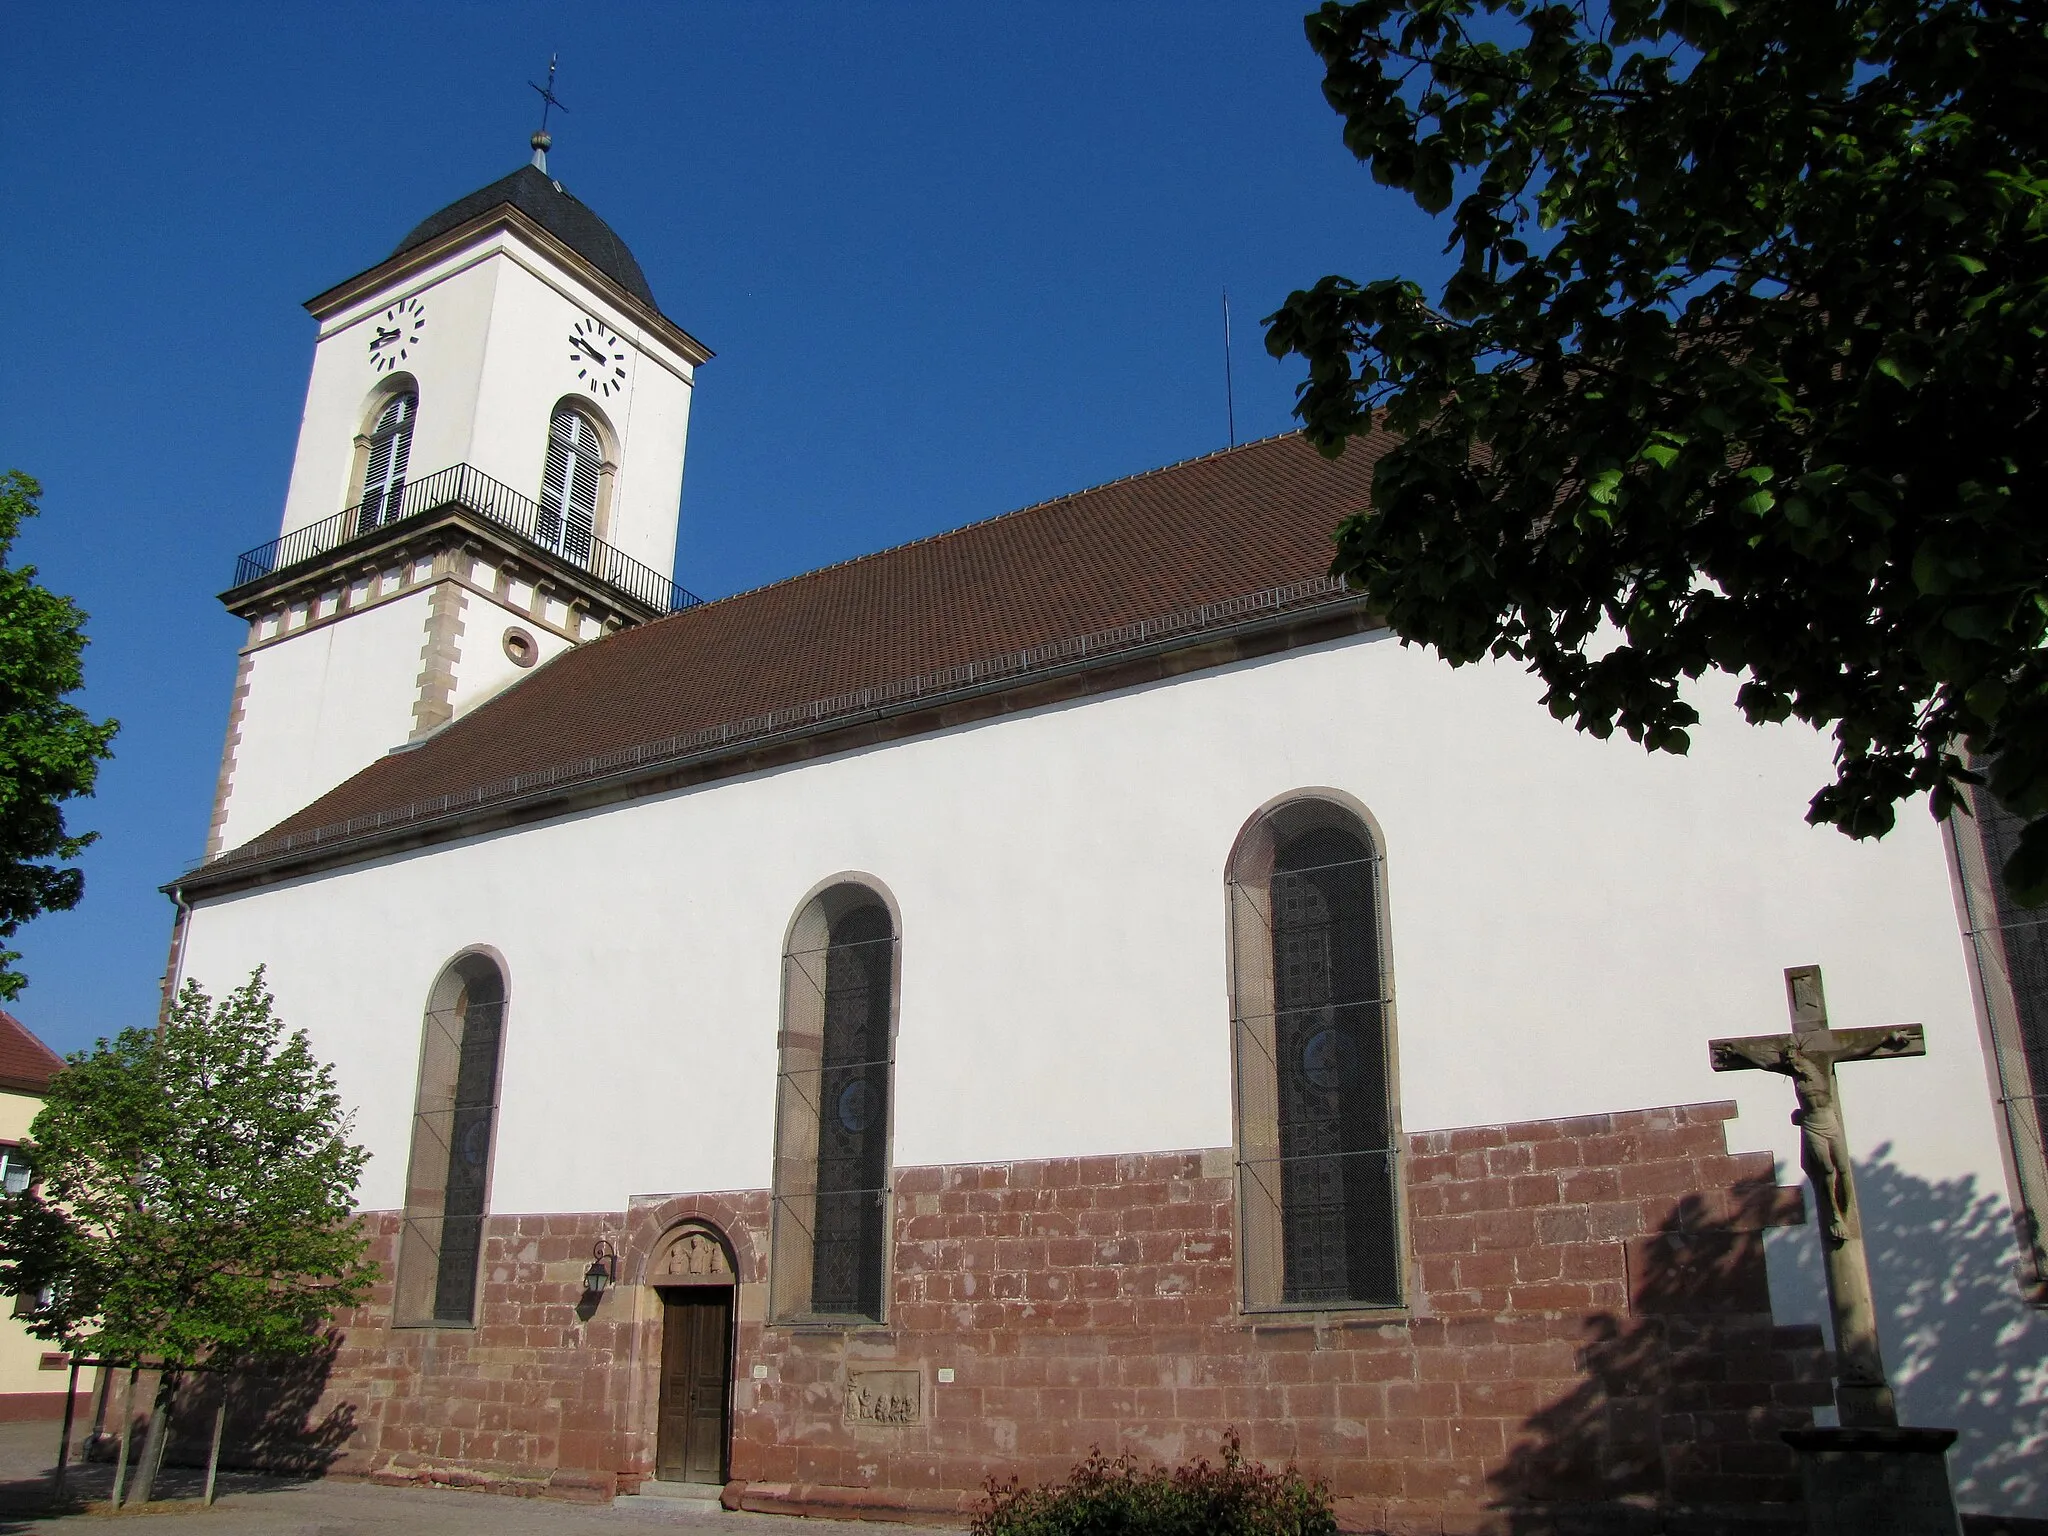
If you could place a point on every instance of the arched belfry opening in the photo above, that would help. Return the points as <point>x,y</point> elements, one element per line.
<point>693,1274</point>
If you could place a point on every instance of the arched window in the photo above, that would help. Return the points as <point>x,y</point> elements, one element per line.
<point>384,469</point>
<point>455,1114</point>
<point>568,495</point>
<point>1318,1136</point>
<point>831,1225</point>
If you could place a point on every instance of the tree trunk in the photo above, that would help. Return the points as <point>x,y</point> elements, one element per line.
<point>127,1435</point>
<point>64,1444</point>
<point>220,1421</point>
<point>153,1443</point>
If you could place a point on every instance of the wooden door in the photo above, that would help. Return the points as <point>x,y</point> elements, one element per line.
<point>696,1383</point>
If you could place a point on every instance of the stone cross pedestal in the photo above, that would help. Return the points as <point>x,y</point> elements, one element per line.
<point>1869,1476</point>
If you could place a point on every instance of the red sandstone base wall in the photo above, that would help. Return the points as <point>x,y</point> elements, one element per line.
<point>1589,1325</point>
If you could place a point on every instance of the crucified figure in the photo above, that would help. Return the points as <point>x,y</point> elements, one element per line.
<point>1809,1056</point>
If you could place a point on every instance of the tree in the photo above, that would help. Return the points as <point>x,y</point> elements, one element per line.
<point>194,1197</point>
<point>50,751</point>
<point>1742,367</point>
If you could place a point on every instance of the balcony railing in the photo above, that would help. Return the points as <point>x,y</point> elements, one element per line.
<point>476,492</point>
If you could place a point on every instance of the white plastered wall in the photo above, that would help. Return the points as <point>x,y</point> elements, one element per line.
<point>321,706</point>
<point>528,371</point>
<point>344,386</point>
<point>1572,920</point>
<point>487,668</point>
<point>493,361</point>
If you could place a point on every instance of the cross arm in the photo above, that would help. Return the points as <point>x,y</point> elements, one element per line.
<point>1762,1053</point>
<point>1880,1043</point>
<point>1773,1053</point>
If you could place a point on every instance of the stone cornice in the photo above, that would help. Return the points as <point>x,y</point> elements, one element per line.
<point>506,217</point>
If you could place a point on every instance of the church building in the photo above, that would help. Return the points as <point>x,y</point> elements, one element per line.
<point>1075,980</point>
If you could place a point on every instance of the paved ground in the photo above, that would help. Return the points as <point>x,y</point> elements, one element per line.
<point>247,1504</point>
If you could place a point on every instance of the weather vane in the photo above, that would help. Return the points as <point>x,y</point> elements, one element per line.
<point>548,100</point>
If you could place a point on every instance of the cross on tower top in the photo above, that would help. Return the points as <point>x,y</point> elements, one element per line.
<point>541,140</point>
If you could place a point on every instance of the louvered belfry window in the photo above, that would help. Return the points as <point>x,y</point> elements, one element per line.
<point>2009,945</point>
<point>384,472</point>
<point>1318,1138</point>
<point>447,1183</point>
<point>831,1218</point>
<point>568,497</point>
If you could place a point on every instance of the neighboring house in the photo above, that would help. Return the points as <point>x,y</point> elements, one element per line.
<point>1076,979</point>
<point>30,1386</point>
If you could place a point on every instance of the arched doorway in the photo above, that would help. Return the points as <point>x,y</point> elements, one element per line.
<point>692,1273</point>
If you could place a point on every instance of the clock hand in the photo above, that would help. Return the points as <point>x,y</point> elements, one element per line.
<point>384,338</point>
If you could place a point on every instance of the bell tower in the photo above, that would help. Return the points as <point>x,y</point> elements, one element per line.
<point>488,472</point>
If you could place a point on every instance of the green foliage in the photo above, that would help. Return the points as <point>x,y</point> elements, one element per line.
<point>1102,1497</point>
<point>1742,367</point>
<point>50,751</point>
<point>195,1191</point>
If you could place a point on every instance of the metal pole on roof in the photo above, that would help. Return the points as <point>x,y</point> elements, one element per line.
<point>1229,390</point>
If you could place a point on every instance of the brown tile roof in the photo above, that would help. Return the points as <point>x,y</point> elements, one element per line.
<point>26,1064</point>
<point>1212,529</point>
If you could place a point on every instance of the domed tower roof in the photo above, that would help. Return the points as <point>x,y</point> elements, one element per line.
<point>533,193</point>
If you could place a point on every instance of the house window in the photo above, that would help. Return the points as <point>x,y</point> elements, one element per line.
<point>568,496</point>
<point>831,1221</point>
<point>1318,1136</point>
<point>2009,948</point>
<point>384,469</point>
<point>448,1181</point>
<point>29,1303</point>
<point>15,1172</point>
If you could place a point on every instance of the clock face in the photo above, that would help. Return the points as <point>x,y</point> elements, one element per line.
<point>598,356</point>
<point>396,333</point>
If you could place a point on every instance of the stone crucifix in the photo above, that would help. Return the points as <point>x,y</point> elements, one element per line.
<point>1809,1056</point>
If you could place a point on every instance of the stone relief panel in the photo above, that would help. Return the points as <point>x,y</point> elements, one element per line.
<point>884,1397</point>
<point>693,1256</point>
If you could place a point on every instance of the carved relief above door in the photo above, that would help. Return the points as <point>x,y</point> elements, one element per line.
<point>691,1256</point>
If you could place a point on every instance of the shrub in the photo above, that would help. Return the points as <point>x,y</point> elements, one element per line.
<point>1104,1497</point>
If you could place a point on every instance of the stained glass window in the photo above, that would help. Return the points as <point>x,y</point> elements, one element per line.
<point>447,1186</point>
<point>1318,1145</point>
<point>832,1109</point>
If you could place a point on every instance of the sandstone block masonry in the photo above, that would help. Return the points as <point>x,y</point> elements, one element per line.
<point>1589,1328</point>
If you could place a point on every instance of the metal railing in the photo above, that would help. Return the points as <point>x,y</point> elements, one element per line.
<point>463,486</point>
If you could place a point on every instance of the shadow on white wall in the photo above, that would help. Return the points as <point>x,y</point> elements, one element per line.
<point>1964,1349</point>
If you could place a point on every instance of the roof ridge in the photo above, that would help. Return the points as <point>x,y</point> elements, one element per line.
<point>980,522</point>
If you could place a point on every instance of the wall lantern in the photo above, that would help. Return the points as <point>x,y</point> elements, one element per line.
<point>604,1268</point>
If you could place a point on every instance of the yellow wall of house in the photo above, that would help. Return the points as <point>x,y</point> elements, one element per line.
<point>16,1110</point>
<point>20,1354</point>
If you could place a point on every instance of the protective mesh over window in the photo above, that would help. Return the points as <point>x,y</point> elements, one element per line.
<point>568,496</point>
<point>2010,946</point>
<point>384,473</point>
<point>831,1218</point>
<point>1318,1138</point>
<point>448,1178</point>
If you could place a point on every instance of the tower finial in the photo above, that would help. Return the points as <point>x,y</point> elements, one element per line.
<point>541,140</point>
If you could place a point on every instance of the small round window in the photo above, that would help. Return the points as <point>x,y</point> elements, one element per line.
<point>521,647</point>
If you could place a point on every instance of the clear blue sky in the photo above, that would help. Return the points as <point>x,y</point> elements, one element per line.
<point>953,261</point>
